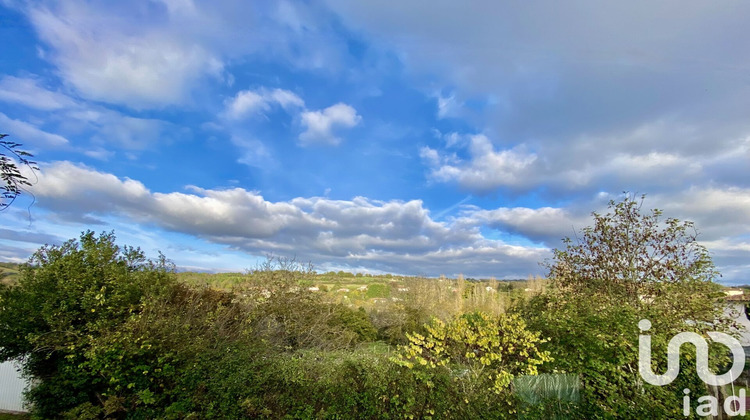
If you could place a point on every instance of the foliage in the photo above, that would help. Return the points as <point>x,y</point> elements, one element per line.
<point>357,322</point>
<point>627,255</point>
<point>481,352</point>
<point>626,267</point>
<point>13,182</point>
<point>377,290</point>
<point>283,314</point>
<point>66,299</point>
<point>109,334</point>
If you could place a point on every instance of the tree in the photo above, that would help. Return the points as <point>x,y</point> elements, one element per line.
<point>13,181</point>
<point>67,299</point>
<point>628,254</point>
<point>628,266</point>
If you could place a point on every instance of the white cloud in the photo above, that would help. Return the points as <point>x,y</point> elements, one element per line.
<point>27,91</point>
<point>99,153</point>
<point>78,118</point>
<point>320,125</point>
<point>606,96</point>
<point>394,236</point>
<point>634,160</point>
<point>286,99</point>
<point>254,152</point>
<point>248,102</point>
<point>717,211</point>
<point>429,156</point>
<point>152,54</point>
<point>30,134</point>
<point>447,106</point>
<point>105,59</point>
<point>391,236</point>
<point>545,224</point>
<point>487,169</point>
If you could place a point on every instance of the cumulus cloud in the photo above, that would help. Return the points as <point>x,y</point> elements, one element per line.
<point>391,236</point>
<point>718,212</point>
<point>546,225</point>
<point>395,236</point>
<point>721,217</point>
<point>248,102</point>
<point>320,125</point>
<point>633,161</point>
<point>486,170</point>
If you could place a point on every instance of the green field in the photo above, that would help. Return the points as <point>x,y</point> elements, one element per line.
<point>8,272</point>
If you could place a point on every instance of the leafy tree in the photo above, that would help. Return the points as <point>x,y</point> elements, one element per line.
<point>627,254</point>
<point>13,182</point>
<point>628,266</point>
<point>66,299</point>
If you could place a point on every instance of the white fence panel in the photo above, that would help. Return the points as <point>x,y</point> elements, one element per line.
<point>11,387</point>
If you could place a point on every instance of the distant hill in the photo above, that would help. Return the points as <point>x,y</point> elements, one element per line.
<point>8,272</point>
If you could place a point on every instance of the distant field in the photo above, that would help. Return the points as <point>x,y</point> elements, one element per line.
<point>370,291</point>
<point>8,275</point>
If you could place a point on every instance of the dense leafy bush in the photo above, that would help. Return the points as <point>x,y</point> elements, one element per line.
<point>482,354</point>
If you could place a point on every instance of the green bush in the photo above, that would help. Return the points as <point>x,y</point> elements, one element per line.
<point>357,322</point>
<point>481,353</point>
<point>66,299</point>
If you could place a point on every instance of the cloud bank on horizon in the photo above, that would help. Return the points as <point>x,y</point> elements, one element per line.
<point>456,138</point>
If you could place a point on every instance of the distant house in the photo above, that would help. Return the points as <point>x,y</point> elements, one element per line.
<point>736,295</point>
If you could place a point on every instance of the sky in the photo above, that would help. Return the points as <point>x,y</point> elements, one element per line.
<point>378,137</point>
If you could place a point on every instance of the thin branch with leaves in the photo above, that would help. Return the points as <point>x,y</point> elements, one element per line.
<point>14,182</point>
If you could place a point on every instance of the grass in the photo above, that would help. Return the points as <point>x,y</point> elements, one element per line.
<point>9,416</point>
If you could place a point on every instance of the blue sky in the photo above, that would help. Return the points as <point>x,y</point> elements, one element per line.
<point>457,138</point>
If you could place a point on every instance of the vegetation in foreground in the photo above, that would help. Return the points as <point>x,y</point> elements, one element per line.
<point>110,334</point>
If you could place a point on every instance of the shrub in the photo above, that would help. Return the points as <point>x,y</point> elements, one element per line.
<point>482,354</point>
